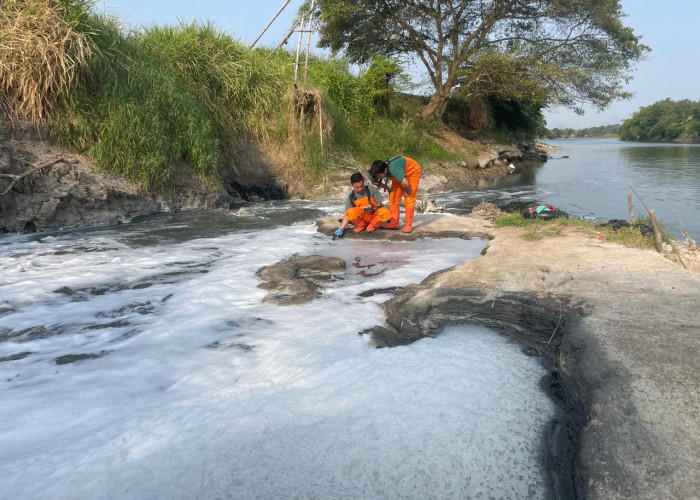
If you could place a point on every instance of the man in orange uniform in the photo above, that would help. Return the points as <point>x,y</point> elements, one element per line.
<point>405,176</point>
<point>363,207</point>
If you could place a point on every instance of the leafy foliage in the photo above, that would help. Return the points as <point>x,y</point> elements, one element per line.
<point>664,121</point>
<point>133,115</point>
<point>143,103</point>
<point>589,132</point>
<point>565,52</point>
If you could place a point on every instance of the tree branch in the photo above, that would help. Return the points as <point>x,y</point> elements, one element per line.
<point>18,177</point>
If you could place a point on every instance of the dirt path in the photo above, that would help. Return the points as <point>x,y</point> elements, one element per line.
<point>621,327</point>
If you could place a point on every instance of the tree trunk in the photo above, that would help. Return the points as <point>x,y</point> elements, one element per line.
<point>437,105</point>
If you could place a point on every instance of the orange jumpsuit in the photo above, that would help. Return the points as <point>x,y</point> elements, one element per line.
<point>356,204</point>
<point>401,167</point>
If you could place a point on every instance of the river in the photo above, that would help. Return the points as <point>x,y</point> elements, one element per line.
<point>595,180</point>
<point>137,361</point>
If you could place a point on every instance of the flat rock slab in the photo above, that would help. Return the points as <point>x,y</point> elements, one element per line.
<point>298,280</point>
<point>424,226</point>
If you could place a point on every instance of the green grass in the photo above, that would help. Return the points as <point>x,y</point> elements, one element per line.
<point>134,115</point>
<point>145,102</point>
<point>536,229</point>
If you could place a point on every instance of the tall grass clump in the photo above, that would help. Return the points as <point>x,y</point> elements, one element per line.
<point>239,88</point>
<point>42,52</point>
<point>135,115</point>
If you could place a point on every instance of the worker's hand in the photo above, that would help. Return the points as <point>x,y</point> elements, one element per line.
<point>339,232</point>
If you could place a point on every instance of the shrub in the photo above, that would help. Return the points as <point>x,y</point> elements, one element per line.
<point>133,114</point>
<point>42,54</point>
<point>238,88</point>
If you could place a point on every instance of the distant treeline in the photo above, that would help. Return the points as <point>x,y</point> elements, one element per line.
<point>664,121</point>
<point>570,133</point>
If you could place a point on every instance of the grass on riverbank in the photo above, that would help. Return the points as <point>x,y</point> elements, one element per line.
<point>536,229</point>
<point>162,104</point>
<point>141,103</point>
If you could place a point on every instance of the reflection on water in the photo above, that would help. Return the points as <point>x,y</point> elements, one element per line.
<point>667,163</point>
<point>596,179</point>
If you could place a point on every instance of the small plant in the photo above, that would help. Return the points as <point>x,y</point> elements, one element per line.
<point>535,229</point>
<point>541,231</point>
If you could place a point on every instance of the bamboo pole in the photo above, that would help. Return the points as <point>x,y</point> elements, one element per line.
<point>285,39</point>
<point>691,242</point>
<point>320,122</point>
<point>296,64</point>
<point>308,41</point>
<point>270,23</point>
<point>629,207</point>
<point>658,244</point>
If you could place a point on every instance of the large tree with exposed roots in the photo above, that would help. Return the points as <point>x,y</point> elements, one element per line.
<point>553,52</point>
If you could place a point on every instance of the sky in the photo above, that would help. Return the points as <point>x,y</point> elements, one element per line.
<point>669,28</point>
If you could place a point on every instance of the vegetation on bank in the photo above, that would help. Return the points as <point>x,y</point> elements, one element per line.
<point>664,121</point>
<point>141,103</point>
<point>536,229</point>
<point>566,52</point>
<point>583,133</point>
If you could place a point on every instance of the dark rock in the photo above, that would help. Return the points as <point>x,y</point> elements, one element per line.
<point>381,291</point>
<point>297,280</point>
<point>15,357</point>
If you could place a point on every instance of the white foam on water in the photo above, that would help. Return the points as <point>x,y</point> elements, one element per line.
<point>191,388</point>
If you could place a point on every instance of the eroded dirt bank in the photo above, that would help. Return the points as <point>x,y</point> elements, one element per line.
<point>70,191</point>
<point>620,326</point>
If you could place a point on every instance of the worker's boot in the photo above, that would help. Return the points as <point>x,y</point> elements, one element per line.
<point>408,226</point>
<point>394,221</point>
<point>374,223</point>
<point>360,224</point>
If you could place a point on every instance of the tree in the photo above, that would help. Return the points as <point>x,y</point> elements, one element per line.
<point>556,52</point>
<point>664,121</point>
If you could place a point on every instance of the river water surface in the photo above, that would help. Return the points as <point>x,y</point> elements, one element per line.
<point>137,362</point>
<point>595,180</point>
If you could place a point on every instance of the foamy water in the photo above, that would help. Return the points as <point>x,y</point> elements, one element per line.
<point>140,363</point>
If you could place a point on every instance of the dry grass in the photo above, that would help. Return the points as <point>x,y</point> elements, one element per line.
<point>536,229</point>
<point>41,55</point>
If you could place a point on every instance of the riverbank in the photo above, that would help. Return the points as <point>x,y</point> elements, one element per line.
<point>618,327</point>
<point>71,191</point>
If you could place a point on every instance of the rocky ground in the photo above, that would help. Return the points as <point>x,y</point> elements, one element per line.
<point>44,186</point>
<point>69,191</point>
<point>619,326</point>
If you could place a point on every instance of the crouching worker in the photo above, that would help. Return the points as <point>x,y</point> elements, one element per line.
<point>405,176</point>
<point>363,207</point>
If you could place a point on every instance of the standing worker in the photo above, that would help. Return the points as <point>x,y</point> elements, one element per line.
<point>363,207</point>
<point>405,176</point>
